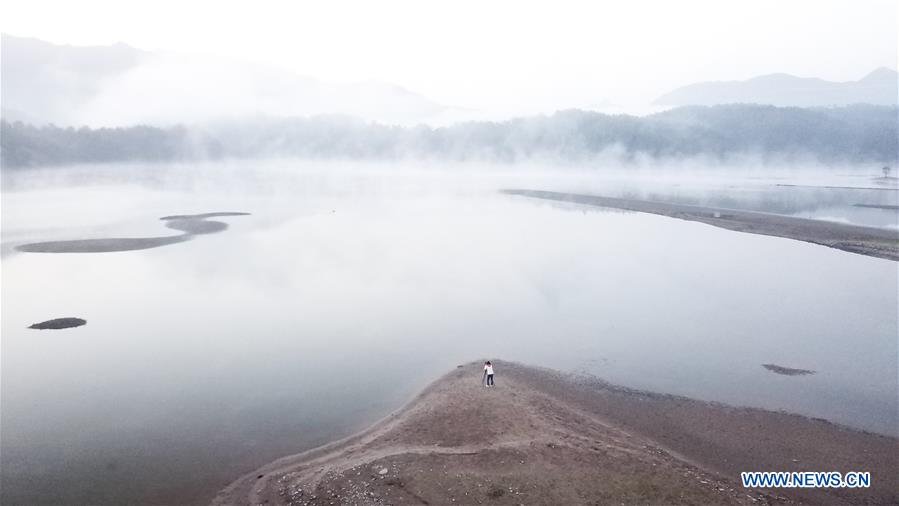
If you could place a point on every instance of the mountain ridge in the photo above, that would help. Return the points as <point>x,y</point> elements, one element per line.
<point>878,87</point>
<point>87,85</point>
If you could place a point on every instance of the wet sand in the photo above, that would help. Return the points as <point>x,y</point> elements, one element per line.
<point>870,241</point>
<point>189,224</point>
<point>541,437</point>
<point>104,245</point>
<point>886,207</point>
<point>888,188</point>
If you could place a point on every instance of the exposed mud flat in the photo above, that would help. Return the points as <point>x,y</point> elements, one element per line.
<point>870,241</point>
<point>189,224</point>
<point>876,180</point>
<point>878,206</point>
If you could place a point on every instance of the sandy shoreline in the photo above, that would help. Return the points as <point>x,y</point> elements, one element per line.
<point>870,241</point>
<point>541,437</point>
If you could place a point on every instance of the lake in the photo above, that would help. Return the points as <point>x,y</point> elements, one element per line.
<point>349,288</point>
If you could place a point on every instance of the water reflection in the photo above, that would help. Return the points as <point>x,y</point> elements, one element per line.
<point>301,324</point>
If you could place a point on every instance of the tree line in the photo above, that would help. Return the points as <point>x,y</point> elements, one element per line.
<point>859,133</point>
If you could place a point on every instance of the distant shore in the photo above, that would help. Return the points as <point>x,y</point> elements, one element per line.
<point>542,437</point>
<point>870,241</point>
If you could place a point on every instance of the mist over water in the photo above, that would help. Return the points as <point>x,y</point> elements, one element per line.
<point>259,230</point>
<point>349,287</point>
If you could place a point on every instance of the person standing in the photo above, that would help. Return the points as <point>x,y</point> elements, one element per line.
<point>488,374</point>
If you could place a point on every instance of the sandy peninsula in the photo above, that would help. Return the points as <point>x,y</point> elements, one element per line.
<point>542,437</point>
<point>870,241</point>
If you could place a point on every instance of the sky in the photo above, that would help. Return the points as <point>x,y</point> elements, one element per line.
<point>517,56</point>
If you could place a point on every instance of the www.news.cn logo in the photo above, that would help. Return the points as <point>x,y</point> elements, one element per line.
<point>806,479</point>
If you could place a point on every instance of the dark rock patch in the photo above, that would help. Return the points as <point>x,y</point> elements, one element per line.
<point>786,371</point>
<point>59,323</point>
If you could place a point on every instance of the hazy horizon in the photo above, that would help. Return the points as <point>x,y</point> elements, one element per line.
<point>492,61</point>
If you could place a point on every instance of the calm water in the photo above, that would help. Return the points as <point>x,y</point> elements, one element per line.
<point>346,291</point>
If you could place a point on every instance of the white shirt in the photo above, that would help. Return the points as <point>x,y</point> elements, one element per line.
<point>489,369</point>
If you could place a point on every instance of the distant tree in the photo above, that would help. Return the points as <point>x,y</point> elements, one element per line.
<point>886,170</point>
<point>852,134</point>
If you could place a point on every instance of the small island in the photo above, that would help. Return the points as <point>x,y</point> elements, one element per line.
<point>189,225</point>
<point>59,323</point>
<point>786,371</point>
